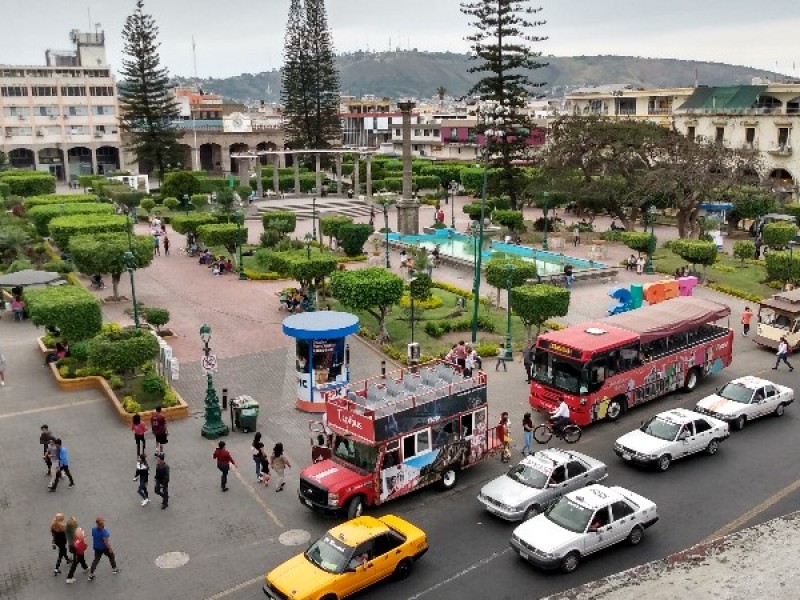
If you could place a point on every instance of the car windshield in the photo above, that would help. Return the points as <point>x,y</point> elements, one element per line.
<point>529,475</point>
<point>736,393</point>
<point>329,554</point>
<point>355,453</point>
<point>570,515</point>
<point>661,428</point>
<point>557,371</point>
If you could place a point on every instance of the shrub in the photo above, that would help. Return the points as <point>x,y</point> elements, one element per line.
<point>154,384</point>
<point>487,350</point>
<point>283,221</point>
<point>263,276</point>
<point>170,398</point>
<point>51,199</point>
<point>331,224</point>
<point>21,264</point>
<point>474,211</point>
<point>115,381</point>
<point>352,237</point>
<point>437,329</point>
<point>731,291</point>
<point>778,235</point>
<point>130,405</point>
<point>778,266</point>
<point>148,204</point>
<point>535,304</point>
<point>744,250</point>
<point>180,184</point>
<point>269,238</point>
<point>638,241</point>
<point>228,235</point>
<point>199,201</point>
<point>156,316</point>
<point>59,266</point>
<point>63,228</point>
<point>171,203</point>
<point>79,351</point>
<point>696,252</point>
<point>508,218</point>
<point>49,341</point>
<point>123,351</point>
<point>41,215</point>
<point>185,224</point>
<point>73,309</point>
<point>33,184</point>
<point>792,208</point>
<point>427,304</point>
<point>612,236</point>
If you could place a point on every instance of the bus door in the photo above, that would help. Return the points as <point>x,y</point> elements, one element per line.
<point>475,430</point>
<point>390,472</point>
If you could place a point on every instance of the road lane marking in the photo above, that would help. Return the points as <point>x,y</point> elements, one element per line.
<point>236,588</point>
<point>472,567</point>
<point>32,411</point>
<point>753,512</point>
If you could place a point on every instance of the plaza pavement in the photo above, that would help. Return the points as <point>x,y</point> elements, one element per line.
<point>232,538</point>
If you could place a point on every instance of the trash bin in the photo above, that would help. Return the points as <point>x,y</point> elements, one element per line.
<point>244,413</point>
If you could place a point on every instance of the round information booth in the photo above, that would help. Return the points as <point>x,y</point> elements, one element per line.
<point>322,358</point>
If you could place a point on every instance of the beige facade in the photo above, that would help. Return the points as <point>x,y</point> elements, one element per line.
<point>764,117</point>
<point>62,117</point>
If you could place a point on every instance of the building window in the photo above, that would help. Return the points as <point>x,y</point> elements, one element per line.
<point>749,137</point>
<point>783,136</point>
<point>397,133</point>
<point>720,135</point>
<point>453,134</point>
<point>45,111</point>
<point>690,132</point>
<point>102,90</point>
<point>44,90</point>
<point>76,111</point>
<point>14,90</point>
<point>16,111</point>
<point>78,130</point>
<point>19,131</point>
<point>103,110</point>
<point>73,90</point>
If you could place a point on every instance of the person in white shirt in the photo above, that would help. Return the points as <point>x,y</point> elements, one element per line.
<point>781,354</point>
<point>561,416</point>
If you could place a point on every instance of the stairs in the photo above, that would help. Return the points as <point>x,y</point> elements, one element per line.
<point>302,207</point>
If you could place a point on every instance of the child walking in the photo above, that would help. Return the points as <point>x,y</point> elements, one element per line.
<point>78,555</point>
<point>279,463</point>
<point>143,475</point>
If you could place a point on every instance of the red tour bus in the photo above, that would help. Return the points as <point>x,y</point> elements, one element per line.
<point>602,368</point>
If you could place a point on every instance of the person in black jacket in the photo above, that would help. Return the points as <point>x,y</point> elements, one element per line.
<point>162,481</point>
<point>143,475</point>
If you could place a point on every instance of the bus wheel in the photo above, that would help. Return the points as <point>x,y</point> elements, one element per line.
<point>692,378</point>
<point>355,507</point>
<point>449,478</point>
<point>615,409</point>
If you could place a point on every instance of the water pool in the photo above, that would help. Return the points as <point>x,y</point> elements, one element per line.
<point>459,245</point>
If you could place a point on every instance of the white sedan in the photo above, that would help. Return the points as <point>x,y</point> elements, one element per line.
<point>745,399</point>
<point>671,435</point>
<point>582,523</point>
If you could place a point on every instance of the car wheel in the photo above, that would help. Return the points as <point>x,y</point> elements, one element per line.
<point>738,424</point>
<point>664,462</point>
<point>692,378</point>
<point>636,535</point>
<point>570,562</point>
<point>329,597</point>
<point>615,409</point>
<point>780,409</point>
<point>355,507</point>
<point>532,511</point>
<point>449,478</point>
<point>712,447</point>
<point>403,569</point>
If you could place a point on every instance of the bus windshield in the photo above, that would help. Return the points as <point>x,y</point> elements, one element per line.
<point>355,453</point>
<point>557,371</point>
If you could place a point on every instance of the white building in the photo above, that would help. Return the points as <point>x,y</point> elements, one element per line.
<point>764,117</point>
<point>62,117</point>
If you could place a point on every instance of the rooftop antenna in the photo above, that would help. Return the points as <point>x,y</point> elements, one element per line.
<point>194,59</point>
<point>89,12</point>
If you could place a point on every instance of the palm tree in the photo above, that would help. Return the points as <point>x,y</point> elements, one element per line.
<point>441,91</point>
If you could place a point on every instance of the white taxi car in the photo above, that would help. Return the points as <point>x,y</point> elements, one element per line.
<point>582,523</point>
<point>745,399</point>
<point>671,435</point>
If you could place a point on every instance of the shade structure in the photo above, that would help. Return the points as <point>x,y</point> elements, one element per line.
<point>28,277</point>
<point>319,325</point>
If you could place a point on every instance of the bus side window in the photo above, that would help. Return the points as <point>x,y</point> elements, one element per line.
<point>466,425</point>
<point>409,446</point>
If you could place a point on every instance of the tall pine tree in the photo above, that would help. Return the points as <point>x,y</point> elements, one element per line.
<point>147,105</point>
<point>310,79</point>
<point>502,45</point>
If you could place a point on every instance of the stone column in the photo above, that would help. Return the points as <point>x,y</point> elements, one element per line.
<point>276,185</point>
<point>356,176</point>
<point>339,174</point>
<point>318,173</point>
<point>225,163</point>
<point>408,206</point>
<point>196,158</point>
<point>92,152</point>
<point>369,177</point>
<point>259,182</point>
<point>243,164</point>
<point>296,174</point>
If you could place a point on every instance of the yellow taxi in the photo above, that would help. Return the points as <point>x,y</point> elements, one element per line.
<point>349,558</point>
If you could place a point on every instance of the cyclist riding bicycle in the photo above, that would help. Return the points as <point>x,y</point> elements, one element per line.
<point>560,417</point>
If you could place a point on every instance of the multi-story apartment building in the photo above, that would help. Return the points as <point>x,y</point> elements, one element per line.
<point>62,117</point>
<point>764,117</point>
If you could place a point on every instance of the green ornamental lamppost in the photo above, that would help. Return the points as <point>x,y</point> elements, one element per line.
<point>411,283</point>
<point>314,218</point>
<point>385,204</point>
<point>239,225</point>
<point>130,264</point>
<point>509,273</point>
<point>186,203</point>
<point>213,427</point>
<point>651,246</point>
<point>453,188</point>
<point>545,196</point>
<point>791,262</point>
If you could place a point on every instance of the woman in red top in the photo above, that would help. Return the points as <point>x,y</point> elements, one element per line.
<point>139,429</point>
<point>224,462</point>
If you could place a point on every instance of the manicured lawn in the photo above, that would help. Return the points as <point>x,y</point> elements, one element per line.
<point>133,388</point>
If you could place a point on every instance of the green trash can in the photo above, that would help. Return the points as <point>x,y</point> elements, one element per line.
<point>245,413</point>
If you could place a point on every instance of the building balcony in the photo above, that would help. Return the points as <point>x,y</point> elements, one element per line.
<point>780,150</point>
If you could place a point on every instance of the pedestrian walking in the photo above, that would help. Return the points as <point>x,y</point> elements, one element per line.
<point>78,554</point>
<point>158,425</point>
<point>576,236</point>
<point>2,369</point>
<point>501,358</point>
<point>503,437</point>
<point>460,353</point>
<point>527,433</point>
<point>58,531</point>
<point>782,354</point>
<point>527,361</point>
<point>44,439</point>
<point>371,215</point>
<point>71,527</point>
<point>747,316</point>
<point>63,466</point>
<point>640,265</point>
<point>257,448</point>
<point>265,476</point>
<point>102,547</point>
<point>279,464</point>
<point>156,244</point>
<point>162,481</point>
<point>52,462</point>
<point>166,245</point>
<point>139,429</point>
<point>142,475</point>
<point>224,462</point>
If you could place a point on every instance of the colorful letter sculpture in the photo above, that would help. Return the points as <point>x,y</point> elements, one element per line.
<point>654,293</point>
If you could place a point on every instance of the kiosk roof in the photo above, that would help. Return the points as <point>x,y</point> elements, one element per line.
<point>320,325</point>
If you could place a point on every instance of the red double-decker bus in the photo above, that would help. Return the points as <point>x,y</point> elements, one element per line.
<point>603,368</point>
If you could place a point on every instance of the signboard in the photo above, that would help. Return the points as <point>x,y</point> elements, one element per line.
<point>361,425</point>
<point>209,363</point>
<point>174,369</point>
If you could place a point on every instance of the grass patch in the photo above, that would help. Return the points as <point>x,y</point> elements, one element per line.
<point>145,399</point>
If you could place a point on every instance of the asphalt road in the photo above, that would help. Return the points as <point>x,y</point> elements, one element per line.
<point>698,497</point>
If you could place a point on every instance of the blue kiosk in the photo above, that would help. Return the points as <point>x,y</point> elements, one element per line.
<point>322,358</point>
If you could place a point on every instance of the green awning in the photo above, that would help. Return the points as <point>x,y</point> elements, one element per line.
<point>734,97</point>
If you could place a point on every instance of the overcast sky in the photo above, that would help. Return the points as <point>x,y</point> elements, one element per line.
<point>247,37</point>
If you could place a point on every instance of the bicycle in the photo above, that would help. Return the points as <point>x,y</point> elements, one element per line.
<point>571,433</point>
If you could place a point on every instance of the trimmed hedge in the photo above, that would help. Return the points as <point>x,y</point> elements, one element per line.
<point>637,240</point>
<point>696,252</point>
<point>283,221</point>
<point>63,228</point>
<point>184,224</point>
<point>60,199</point>
<point>778,235</point>
<point>71,308</point>
<point>352,237</point>
<point>33,184</point>
<point>42,215</point>
<point>123,351</point>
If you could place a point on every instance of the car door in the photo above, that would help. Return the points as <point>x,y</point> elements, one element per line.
<point>684,443</point>
<point>600,531</point>
<point>388,553</point>
<point>771,400</point>
<point>361,568</point>
<point>622,519</point>
<point>556,486</point>
<point>577,475</point>
<point>756,407</point>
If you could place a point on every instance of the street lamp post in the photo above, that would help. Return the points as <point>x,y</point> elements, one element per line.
<point>453,187</point>
<point>545,196</point>
<point>509,272</point>
<point>130,263</point>
<point>239,229</point>
<point>314,218</point>
<point>186,203</point>
<point>386,229</point>
<point>791,262</point>
<point>411,297</point>
<point>213,427</point>
<point>651,246</point>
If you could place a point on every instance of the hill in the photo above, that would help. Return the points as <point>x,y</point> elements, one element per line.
<point>418,74</point>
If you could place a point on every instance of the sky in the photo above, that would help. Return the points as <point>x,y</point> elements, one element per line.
<point>247,37</point>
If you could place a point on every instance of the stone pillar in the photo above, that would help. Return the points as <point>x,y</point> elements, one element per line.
<point>408,206</point>
<point>297,174</point>
<point>259,182</point>
<point>369,177</point>
<point>318,173</point>
<point>92,152</point>
<point>355,178</point>
<point>339,174</point>
<point>225,163</point>
<point>276,185</point>
<point>196,158</point>
<point>243,164</point>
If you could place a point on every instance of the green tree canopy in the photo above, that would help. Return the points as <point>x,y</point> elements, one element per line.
<point>353,236</point>
<point>64,228</point>
<point>744,250</point>
<point>42,214</point>
<point>535,304</point>
<point>696,252</point>
<point>298,265</point>
<point>499,270</point>
<point>181,185</point>
<point>228,235</point>
<point>158,317</point>
<point>185,224</point>
<point>329,225</point>
<point>123,351</point>
<point>103,253</point>
<point>282,221</point>
<point>71,308</point>
<point>778,235</point>
<point>637,240</point>
<point>373,290</point>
